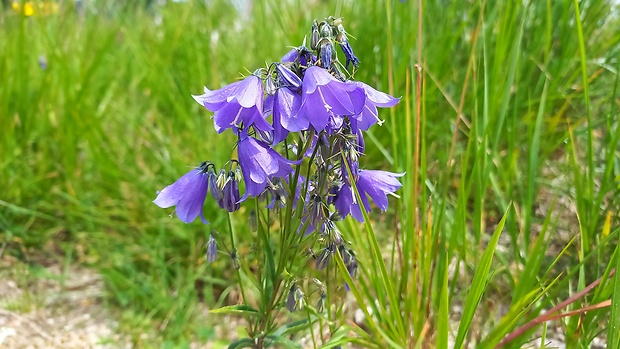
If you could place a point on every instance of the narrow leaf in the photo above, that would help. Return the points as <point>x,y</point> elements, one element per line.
<point>479,284</point>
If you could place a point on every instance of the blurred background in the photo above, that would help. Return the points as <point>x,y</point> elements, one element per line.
<point>96,114</point>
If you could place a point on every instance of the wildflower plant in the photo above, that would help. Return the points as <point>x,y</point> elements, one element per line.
<point>299,125</point>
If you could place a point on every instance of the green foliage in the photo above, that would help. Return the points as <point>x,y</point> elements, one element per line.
<point>507,125</point>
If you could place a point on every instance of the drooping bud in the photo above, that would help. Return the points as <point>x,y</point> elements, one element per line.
<point>352,266</point>
<point>326,52</point>
<point>288,78</point>
<point>291,303</point>
<point>316,213</point>
<point>238,174</point>
<point>253,221</point>
<point>341,38</point>
<point>266,136</point>
<point>235,259</point>
<point>314,39</point>
<point>211,249</point>
<point>349,55</point>
<point>323,260</point>
<point>325,30</point>
<point>320,305</point>
<point>270,86</point>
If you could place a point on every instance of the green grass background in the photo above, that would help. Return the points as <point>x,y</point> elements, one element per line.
<point>86,142</point>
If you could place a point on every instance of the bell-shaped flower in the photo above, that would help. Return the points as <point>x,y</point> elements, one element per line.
<point>240,103</point>
<point>286,104</point>
<point>325,98</point>
<point>369,114</point>
<point>188,193</point>
<point>258,163</point>
<point>370,183</point>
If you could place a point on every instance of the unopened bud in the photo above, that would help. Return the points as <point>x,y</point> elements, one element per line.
<point>314,39</point>
<point>291,303</point>
<point>253,221</point>
<point>234,259</point>
<point>288,78</point>
<point>211,249</point>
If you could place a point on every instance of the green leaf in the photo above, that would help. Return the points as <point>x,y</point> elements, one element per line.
<point>479,284</point>
<point>242,309</point>
<point>282,342</point>
<point>241,343</point>
<point>293,327</point>
<point>614,314</point>
<point>443,326</point>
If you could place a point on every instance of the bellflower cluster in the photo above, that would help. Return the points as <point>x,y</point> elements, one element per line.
<point>299,126</point>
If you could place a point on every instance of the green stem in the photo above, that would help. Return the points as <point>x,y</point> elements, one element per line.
<point>234,250</point>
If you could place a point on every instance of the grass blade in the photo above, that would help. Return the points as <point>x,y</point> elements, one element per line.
<point>479,284</point>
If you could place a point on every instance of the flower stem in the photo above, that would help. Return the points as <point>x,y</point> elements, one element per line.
<point>232,243</point>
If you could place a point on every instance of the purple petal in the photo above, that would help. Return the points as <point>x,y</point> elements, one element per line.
<point>258,162</point>
<point>290,56</point>
<point>188,193</point>
<point>216,99</point>
<point>288,78</point>
<point>378,98</point>
<point>377,184</point>
<point>250,92</point>
<point>286,107</point>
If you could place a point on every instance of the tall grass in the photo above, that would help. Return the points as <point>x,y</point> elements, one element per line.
<point>507,129</point>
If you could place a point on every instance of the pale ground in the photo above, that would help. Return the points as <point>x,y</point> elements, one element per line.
<point>38,312</point>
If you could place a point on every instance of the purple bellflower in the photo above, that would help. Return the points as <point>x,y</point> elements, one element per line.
<point>258,163</point>
<point>376,184</point>
<point>235,105</point>
<point>369,115</point>
<point>188,193</point>
<point>325,98</point>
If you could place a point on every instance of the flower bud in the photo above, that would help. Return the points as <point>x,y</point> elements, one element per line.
<point>323,260</point>
<point>326,53</point>
<point>270,86</point>
<point>314,39</point>
<point>234,259</point>
<point>266,136</point>
<point>238,174</point>
<point>325,30</point>
<point>320,306</point>
<point>211,249</point>
<point>291,303</point>
<point>253,222</point>
<point>288,78</point>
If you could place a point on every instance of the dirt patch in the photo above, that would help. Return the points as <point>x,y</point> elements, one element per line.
<point>54,309</point>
